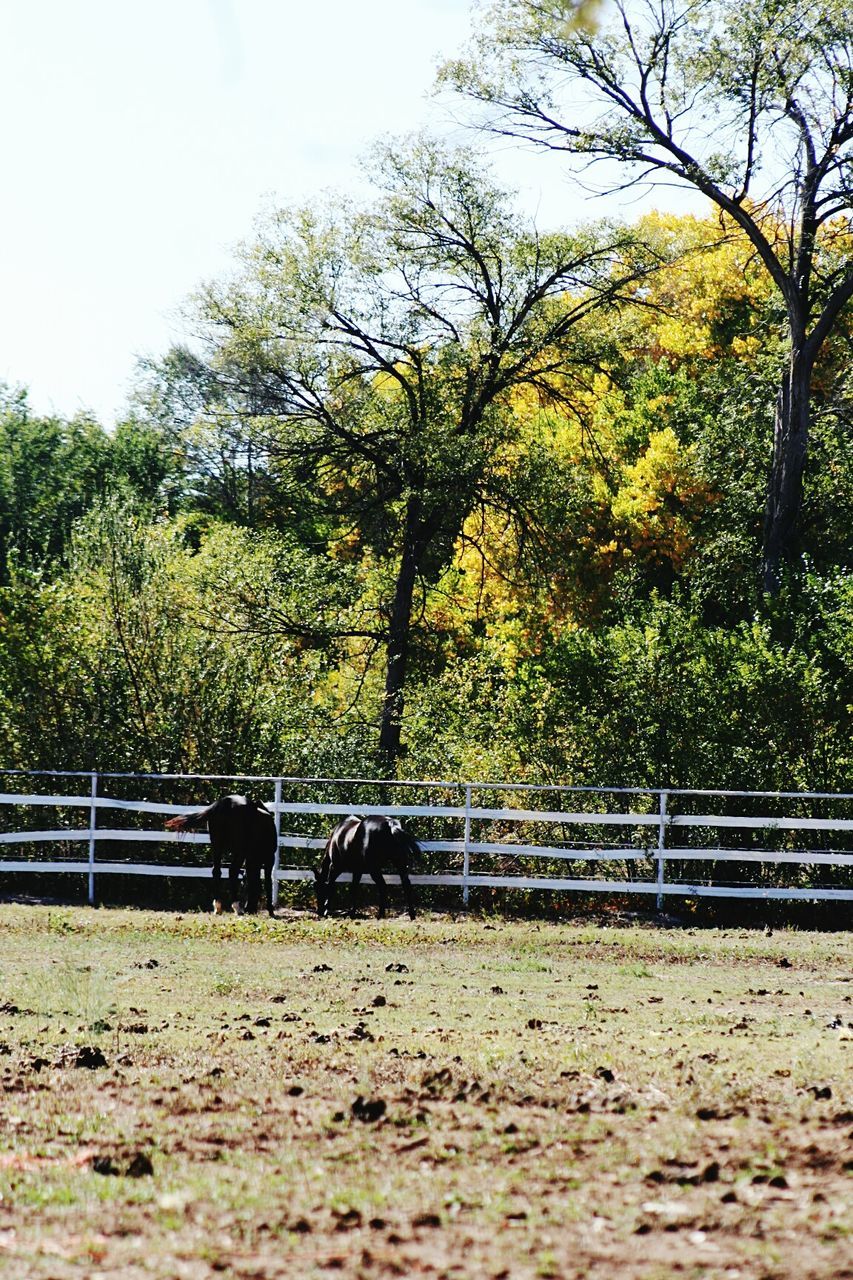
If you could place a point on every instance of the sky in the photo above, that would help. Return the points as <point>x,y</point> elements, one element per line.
<point>143,137</point>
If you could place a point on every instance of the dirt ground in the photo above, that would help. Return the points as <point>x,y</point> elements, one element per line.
<point>191,1096</point>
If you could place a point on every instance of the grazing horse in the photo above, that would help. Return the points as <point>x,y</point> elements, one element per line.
<point>243,830</point>
<point>365,844</point>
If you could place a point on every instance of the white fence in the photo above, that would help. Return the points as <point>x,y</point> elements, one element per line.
<point>508,836</point>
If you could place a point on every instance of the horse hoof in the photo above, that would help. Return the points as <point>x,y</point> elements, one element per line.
<point>237,909</point>
<point>217,907</point>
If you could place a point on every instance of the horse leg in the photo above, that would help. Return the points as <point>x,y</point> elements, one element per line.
<point>269,866</point>
<point>217,882</point>
<point>407,889</point>
<point>234,882</point>
<point>333,875</point>
<point>253,883</point>
<point>379,881</point>
<point>356,881</point>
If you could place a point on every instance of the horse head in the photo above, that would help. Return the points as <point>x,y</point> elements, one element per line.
<point>335,856</point>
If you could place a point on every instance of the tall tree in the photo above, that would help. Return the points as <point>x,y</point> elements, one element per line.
<point>376,350</point>
<point>752,105</point>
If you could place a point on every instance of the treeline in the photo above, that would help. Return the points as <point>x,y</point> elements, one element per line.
<point>428,491</point>
<point>490,509</point>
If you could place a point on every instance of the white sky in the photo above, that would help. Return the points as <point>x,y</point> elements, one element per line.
<point>142,137</point>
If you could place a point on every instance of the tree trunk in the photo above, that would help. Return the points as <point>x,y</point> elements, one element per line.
<point>397,648</point>
<point>785,489</point>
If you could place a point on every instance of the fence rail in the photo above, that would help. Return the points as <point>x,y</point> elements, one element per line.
<point>469,841</point>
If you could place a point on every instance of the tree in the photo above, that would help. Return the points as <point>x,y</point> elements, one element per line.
<point>50,472</point>
<point>375,350</point>
<point>53,470</point>
<point>752,105</point>
<point>221,452</point>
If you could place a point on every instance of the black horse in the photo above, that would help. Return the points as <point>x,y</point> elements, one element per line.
<point>244,831</point>
<point>365,844</point>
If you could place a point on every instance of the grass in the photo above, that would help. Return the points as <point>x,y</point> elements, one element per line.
<point>445,1098</point>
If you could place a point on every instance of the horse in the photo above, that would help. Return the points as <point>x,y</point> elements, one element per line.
<point>244,830</point>
<point>365,844</point>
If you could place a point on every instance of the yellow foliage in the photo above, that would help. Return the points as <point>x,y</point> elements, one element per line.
<point>659,499</point>
<point>637,491</point>
<point>689,306</point>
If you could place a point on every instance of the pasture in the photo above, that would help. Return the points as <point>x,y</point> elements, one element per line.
<point>192,1096</point>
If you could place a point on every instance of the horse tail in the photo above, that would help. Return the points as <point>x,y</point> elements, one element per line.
<point>404,840</point>
<point>186,821</point>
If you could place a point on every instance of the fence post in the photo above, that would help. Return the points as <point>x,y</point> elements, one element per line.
<point>466,854</point>
<point>277,862</point>
<point>664,796</point>
<point>93,814</point>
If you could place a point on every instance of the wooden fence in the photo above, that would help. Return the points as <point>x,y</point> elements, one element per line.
<point>474,836</point>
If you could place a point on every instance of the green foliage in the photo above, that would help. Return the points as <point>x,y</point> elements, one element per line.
<point>135,659</point>
<point>52,471</point>
<point>659,699</point>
